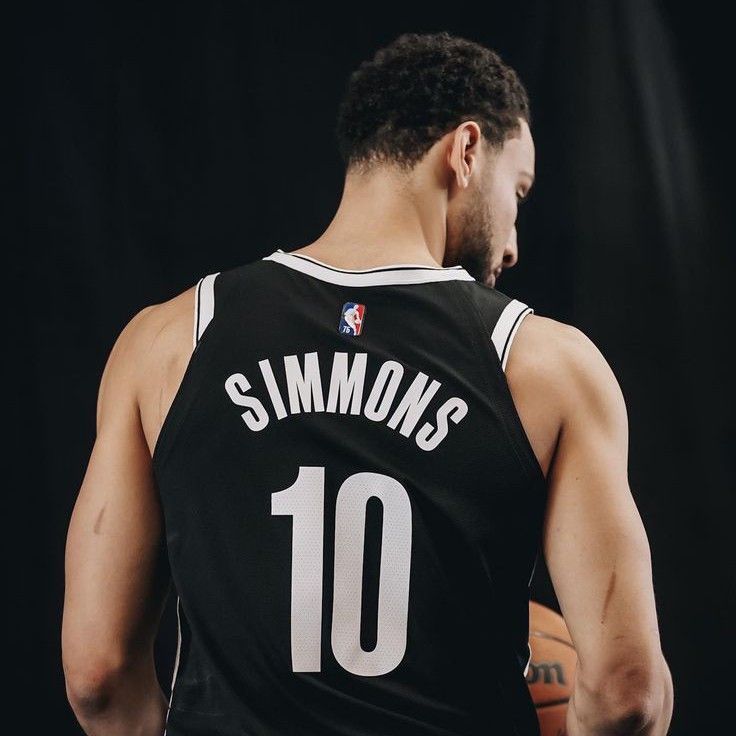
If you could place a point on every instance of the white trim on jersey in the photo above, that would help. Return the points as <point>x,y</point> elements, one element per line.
<point>176,662</point>
<point>506,327</point>
<point>195,321</point>
<point>398,273</point>
<point>528,662</point>
<point>204,305</point>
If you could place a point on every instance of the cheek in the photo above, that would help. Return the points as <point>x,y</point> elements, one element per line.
<point>504,212</point>
<point>504,205</point>
<point>512,208</point>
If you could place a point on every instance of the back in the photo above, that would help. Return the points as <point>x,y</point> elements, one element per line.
<point>353,510</point>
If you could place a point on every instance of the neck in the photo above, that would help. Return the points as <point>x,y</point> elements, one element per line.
<point>385,218</point>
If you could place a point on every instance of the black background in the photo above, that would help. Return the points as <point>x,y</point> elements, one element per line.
<point>154,143</point>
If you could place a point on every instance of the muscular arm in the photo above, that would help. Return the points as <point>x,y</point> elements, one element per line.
<point>596,547</point>
<point>116,572</point>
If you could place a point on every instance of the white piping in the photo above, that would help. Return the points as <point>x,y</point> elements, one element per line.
<point>506,327</point>
<point>400,273</point>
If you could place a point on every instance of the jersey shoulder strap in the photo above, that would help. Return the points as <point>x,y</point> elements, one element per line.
<point>506,326</point>
<point>210,295</point>
<point>501,315</point>
<point>204,305</point>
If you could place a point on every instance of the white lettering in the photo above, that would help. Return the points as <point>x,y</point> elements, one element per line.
<point>459,409</point>
<point>257,416</point>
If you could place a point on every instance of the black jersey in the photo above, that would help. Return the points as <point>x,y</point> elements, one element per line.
<point>353,510</point>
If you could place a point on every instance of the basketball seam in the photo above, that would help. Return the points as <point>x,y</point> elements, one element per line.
<point>543,635</point>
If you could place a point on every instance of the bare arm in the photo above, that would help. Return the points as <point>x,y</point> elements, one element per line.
<point>116,572</point>
<point>597,550</point>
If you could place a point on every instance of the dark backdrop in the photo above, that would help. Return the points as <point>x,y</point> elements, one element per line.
<point>156,143</point>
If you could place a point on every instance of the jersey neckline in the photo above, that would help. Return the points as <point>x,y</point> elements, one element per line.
<point>397,273</point>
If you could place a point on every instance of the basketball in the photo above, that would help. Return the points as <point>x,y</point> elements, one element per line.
<point>552,668</point>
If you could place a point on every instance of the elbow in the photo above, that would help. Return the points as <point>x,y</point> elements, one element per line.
<point>633,699</point>
<point>90,686</point>
<point>110,691</point>
<point>636,718</point>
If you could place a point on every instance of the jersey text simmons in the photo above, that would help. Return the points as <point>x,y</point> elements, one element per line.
<point>303,393</point>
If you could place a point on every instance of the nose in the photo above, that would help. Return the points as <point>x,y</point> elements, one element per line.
<point>511,251</point>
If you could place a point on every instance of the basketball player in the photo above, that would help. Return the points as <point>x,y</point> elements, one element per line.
<point>352,516</point>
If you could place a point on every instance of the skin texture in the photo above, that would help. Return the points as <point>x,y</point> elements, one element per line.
<point>116,576</point>
<point>459,205</point>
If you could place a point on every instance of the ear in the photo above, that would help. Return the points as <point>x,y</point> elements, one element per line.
<point>463,155</point>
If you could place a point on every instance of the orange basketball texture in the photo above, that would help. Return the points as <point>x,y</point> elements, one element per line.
<point>552,668</point>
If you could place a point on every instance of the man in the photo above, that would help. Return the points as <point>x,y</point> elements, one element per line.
<point>352,509</point>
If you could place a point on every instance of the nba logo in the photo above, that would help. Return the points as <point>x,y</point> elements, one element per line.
<point>351,318</point>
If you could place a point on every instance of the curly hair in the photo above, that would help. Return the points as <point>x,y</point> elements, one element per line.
<point>418,88</point>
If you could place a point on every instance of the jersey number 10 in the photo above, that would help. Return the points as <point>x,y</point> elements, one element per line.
<point>304,501</point>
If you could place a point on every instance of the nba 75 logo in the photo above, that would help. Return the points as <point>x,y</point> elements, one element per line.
<point>351,318</point>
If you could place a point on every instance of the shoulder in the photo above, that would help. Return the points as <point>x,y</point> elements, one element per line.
<point>153,337</point>
<point>553,343</point>
<point>161,333</point>
<point>556,357</point>
<point>168,322</point>
<point>156,326</point>
<point>564,365</point>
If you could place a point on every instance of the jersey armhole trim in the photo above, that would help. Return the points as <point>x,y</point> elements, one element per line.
<point>505,329</point>
<point>204,305</point>
<point>195,321</point>
<point>203,313</point>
